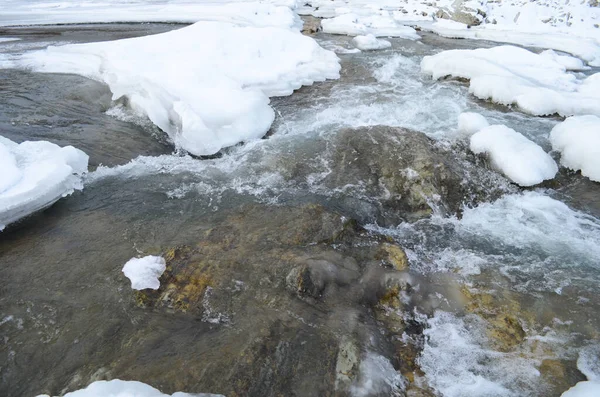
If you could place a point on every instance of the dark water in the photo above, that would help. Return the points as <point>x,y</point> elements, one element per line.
<point>67,316</point>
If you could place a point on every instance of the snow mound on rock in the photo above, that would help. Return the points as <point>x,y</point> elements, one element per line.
<point>521,160</point>
<point>34,175</point>
<point>370,42</point>
<point>578,140</point>
<point>123,388</point>
<point>538,84</point>
<point>206,85</point>
<point>145,272</point>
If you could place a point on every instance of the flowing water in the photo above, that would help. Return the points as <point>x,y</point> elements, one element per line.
<point>531,256</point>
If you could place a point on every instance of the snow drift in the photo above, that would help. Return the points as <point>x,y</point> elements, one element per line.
<point>206,85</point>
<point>35,175</point>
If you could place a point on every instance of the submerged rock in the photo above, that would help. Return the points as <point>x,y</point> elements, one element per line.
<point>283,299</point>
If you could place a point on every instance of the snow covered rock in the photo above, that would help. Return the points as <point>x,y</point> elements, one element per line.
<point>34,175</point>
<point>145,272</point>
<point>370,42</point>
<point>206,85</point>
<point>124,388</point>
<point>377,25</point>
<point>521,160</point>
<point>538,84</point>
<point>578,140</point>
<point>469,123</point>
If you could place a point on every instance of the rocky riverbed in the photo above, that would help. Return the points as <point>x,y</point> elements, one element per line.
<point>360,249</point>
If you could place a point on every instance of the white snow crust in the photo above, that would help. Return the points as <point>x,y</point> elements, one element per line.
<point>469,123</point>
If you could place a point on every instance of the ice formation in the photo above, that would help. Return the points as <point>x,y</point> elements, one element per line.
<point>34,175</point>
<point>145,272</point>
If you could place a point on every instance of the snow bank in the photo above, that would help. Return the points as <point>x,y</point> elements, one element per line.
<point>578,140</point>
<point>469,123</point>
<point>586,47</point>
<point>521,160</point>
<point>123,388</point>
<point>509,75</point>
<point>240,12</point>
<point>206,85</point>
<point>370,42</point>
<point>568,26</point>
<point>34,175</point>
<point>354,25</point>
<point>145,272</point>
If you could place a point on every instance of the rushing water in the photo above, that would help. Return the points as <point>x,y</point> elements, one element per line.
<point>62,295</point>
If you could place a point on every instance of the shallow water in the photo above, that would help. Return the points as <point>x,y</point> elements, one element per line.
<point>66,310</point>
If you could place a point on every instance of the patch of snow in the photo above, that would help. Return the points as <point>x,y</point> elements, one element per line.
<point>509,75</point>
<point>126,388</point>
<point>7,39</point>
<point>370,42</point>
<point>578,140</point>
<point>520,159</point>
<point>145,272</point>
<point>34,175</point>
<point>469,123</point>
<point>206,85</point>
